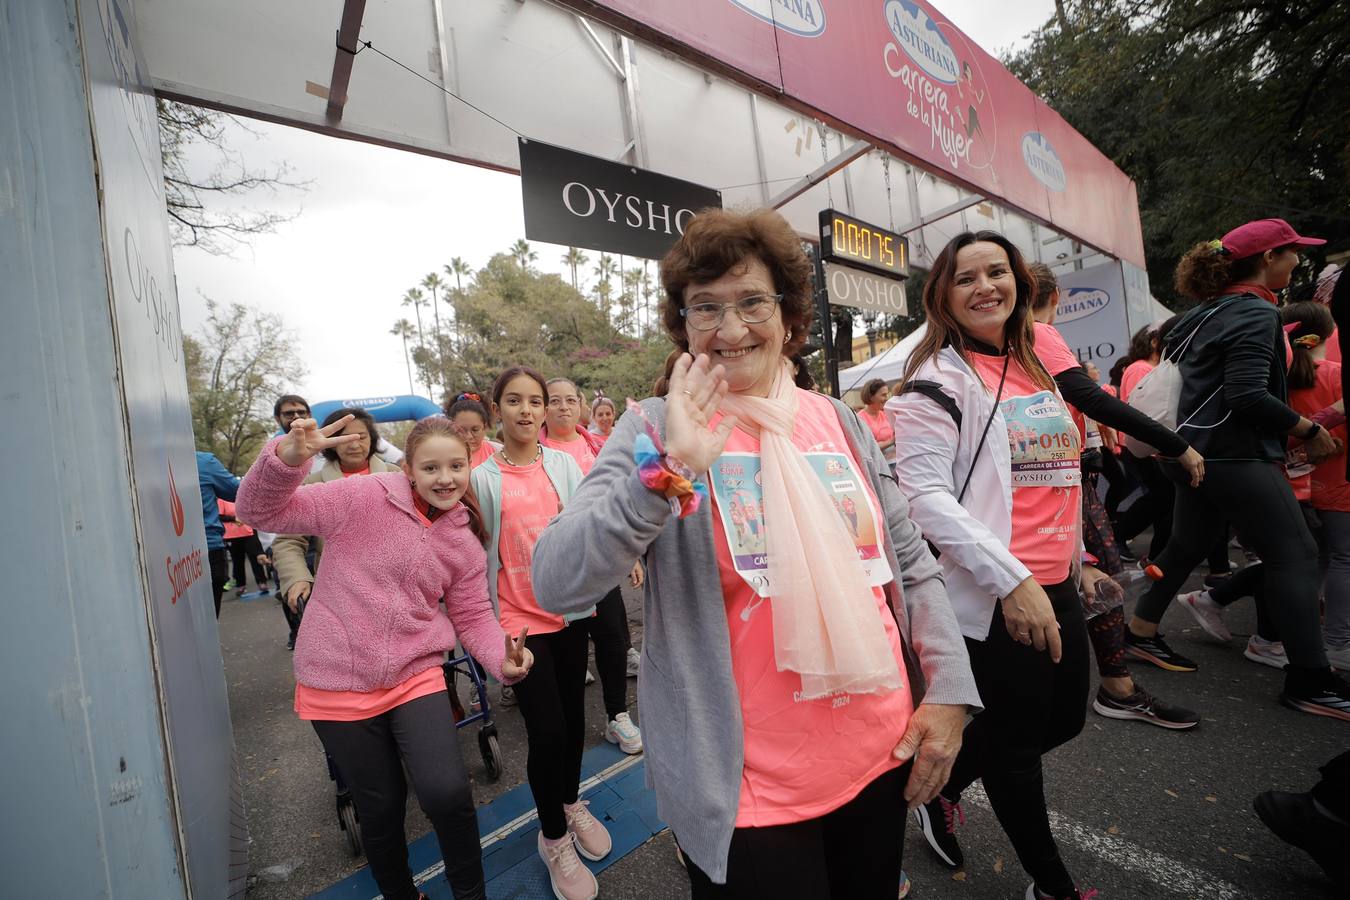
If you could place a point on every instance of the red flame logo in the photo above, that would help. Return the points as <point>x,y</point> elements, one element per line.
<point>175,504</point>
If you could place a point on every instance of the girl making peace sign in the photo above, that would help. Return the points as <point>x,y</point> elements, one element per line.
<point>368,665</point>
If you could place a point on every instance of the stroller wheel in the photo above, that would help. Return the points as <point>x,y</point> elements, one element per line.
<point>347,819</point>
<point>491,751</point>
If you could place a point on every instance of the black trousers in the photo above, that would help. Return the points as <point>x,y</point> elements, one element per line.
<point>1333,791</point>
<point>242,550</point>
<point>552,700</point>
<point>219,563</point>
<point>1154,508</point>
<point>372,755</point>
<point>1031,706</point>
<point>1257,499</point>
<point>609,631</point>
<point>853,853</point>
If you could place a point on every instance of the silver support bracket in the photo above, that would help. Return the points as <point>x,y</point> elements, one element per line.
<point>601,48</point>
<point>826,169</point>
<point>937,214</point>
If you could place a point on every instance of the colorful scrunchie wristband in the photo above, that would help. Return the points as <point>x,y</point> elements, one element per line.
<point>663,473</point>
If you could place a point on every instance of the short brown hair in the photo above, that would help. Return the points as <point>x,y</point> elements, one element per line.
<point>1205,270</point>
<point>1046,285</point>
<point>714,242</point>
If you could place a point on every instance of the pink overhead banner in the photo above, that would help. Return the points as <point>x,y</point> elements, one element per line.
<point>898,72</point>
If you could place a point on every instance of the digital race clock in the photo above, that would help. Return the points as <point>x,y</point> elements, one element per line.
<point>853,242</point>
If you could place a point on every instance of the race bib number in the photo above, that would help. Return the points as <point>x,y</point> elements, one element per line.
<point>738,490</point>
<point>1043,440</point>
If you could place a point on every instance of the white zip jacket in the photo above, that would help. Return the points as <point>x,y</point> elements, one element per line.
<point>931,463</point>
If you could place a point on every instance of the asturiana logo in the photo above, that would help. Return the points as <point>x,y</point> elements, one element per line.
<point>921,40</point>
<point>801,17</point>
<point>1079,303</point>
<point>1043,161</point>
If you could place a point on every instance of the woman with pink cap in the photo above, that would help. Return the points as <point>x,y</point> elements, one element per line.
<point>1233,408</point>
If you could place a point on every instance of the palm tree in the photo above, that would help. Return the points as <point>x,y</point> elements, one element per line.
<point>575,259</point>
<point>522,252</point>
<point>458,269</point>
<point>605,271</point>
<point>416,299</point>
<point>404,329</point>
<point>433,283</point>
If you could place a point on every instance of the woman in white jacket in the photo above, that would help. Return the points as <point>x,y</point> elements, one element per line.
<point>988,456</point>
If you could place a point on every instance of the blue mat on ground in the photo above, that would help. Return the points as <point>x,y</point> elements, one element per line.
<point>510,860</point>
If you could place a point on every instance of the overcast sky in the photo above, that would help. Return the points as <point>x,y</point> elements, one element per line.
<point>375,221</point>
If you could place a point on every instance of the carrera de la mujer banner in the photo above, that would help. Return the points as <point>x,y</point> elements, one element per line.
<point>899,72</point>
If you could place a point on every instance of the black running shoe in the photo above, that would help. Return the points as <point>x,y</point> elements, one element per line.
<point>1296,820</point>
<point>1155,650</point>
<point>939,819</point>
<point>1321,693</point>
<point>1145,707</point>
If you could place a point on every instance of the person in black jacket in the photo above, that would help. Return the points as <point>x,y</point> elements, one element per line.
<point>1233,410</point>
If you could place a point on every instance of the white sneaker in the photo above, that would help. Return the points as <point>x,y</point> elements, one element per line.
<point>1267,653</point>
<point>1208,614</point>
<point>569,878</point>
<point>634,662</point>
<point>590,679</point>
<point>623,732</point>
<point>1339,657</point>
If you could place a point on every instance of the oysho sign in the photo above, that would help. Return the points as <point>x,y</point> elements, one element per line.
<point>801,17</point>
<point>584,201</point>
<point>846,286</point>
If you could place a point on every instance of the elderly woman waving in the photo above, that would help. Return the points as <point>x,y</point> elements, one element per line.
<point>803,675</point>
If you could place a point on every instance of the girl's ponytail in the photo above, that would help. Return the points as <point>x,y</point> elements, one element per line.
<point>1307,325</point>
<point>1207,268</point>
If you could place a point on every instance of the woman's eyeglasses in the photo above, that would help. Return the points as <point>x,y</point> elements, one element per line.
<point>752,310</point>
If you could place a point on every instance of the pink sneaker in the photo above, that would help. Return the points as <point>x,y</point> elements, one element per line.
<point>593,841</point>
<point>1208,614</point>
<point>570,879</point>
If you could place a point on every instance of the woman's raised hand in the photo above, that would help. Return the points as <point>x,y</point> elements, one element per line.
<point>696,391</point>
<point>306,439</point>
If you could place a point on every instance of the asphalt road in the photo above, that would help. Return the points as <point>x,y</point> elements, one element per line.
<point>1139,811</point>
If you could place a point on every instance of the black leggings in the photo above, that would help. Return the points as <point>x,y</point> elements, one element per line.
<point>1031,706</point>
<point>853,853</point>
<point>219,562</point>
<point>609,631</point>
<point>552,699</point>
<point>1257,499</point>
<point>246,549</point>
<point>1154,508</point>
<point>371,754</point>
<point>1249,581</point>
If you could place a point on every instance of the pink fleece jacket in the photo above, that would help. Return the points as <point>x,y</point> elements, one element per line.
<point>373,619</point>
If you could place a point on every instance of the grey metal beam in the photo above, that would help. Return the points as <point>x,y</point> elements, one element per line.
<point>349,30</point>
<point>944,212</point>
<point>826,169</point>
<point>601,48</point>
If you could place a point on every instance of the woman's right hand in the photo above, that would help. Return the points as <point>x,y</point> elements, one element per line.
<point>306,439</point>
<point>1194,464</point>
<point>1322,446</point>
<point>696,391</point>
<point>297,592</point>
<point>1031,619</point>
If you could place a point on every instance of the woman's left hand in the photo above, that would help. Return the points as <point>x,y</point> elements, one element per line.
<point>1194,464</point>
<point>636,576</point>
<point>518,659</point>
<point>932,740</point>
<point>1095,581</point>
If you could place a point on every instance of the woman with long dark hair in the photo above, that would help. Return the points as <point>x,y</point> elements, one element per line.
<point>1234,408</point>
<point>989,458</point>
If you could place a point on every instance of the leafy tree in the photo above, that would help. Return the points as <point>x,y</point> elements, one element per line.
<point>457,269</point>
<point>523,254</point>
<point>1221,110</point>
<point>219,227</point>
<point>605,270</point>
<point>574,259</point>
<point>404,329</point>
<point>237,367</point>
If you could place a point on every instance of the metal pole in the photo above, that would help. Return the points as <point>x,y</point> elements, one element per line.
<point>826,325</point>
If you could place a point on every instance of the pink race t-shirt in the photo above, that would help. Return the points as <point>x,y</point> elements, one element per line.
<point>803,758</point>
<point>1133,374</point>
<point>577,448</point>
<point>1046,474</point>
<point>1055,355</point>
<point>880,425</point>
<point>529,502</point>
<point>483,453</point>
<point>1327,487</point>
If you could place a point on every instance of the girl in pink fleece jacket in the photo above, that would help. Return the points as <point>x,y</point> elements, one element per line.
<point>368,663</point>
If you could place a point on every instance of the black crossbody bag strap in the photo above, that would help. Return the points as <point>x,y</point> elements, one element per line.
<point>933,391</point>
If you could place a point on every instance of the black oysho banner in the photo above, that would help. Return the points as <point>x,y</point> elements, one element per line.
<point>584,201</point>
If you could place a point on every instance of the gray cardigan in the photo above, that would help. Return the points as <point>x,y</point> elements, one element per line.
<point>691,713</point>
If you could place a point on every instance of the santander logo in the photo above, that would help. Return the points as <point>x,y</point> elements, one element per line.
<point>175,505</point>
<point>805,18</point>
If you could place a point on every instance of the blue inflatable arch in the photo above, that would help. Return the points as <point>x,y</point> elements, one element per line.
<point>406,407</point>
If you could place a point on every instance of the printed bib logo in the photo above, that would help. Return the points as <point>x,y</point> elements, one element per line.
<point>1043,161</point>
<point>1043,440</point>
<point>805,18</point>
<point>947,92</point>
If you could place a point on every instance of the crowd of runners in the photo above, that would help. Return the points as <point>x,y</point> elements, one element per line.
<point>849,616</point>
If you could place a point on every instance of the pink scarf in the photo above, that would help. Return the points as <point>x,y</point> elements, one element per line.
<point>825,622</point>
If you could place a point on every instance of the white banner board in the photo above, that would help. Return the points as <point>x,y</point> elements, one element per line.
<point>1092,314</point>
